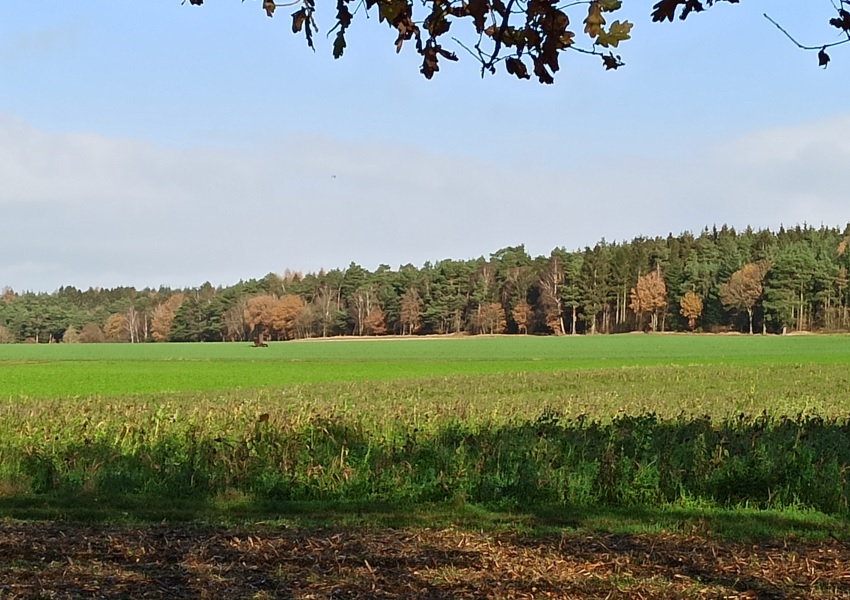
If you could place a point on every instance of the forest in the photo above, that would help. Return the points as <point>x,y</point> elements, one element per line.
<point>721,280</point>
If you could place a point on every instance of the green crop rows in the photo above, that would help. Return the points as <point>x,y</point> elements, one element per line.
<point>635,420</point>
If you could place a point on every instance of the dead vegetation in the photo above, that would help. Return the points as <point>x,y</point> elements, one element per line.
<point>55,560</point>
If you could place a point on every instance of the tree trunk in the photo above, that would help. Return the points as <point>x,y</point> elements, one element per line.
<point>750,318</point>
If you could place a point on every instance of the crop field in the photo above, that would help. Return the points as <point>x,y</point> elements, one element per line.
<point>84,370</point>
<point>642,435</point>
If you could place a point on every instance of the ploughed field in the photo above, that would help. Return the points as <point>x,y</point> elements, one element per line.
<point>442,467</point>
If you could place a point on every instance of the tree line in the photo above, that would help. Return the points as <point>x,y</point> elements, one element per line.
<point>720,280</point>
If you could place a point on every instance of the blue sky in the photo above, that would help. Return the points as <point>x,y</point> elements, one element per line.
<point>148,143</point>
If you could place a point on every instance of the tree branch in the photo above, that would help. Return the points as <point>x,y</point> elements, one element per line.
<point>489,64</point>
<point>798,44</point>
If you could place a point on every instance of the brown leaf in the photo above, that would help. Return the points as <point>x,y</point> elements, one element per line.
<point>343,15</point>
<point>516,67</point>
<point>298,19</point>
<point>429,63</point>
<point>543,76</point>
<point>823,58</point>
<point>612,62</point>
<point>269,7</point>
<point>843,20</point>
<point>339,43</point>
<point>594,21</point>
<point>665,10</point>
<point>477,9</point>
<point>436,23</point>
<point>446,54</point>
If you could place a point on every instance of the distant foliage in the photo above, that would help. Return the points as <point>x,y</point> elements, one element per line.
<point>649,296</point>
<point>6,336</point>
<point>91,334</point>
<point>71,336</point>
<point>410,312</point>
<point>691,308</point>
<point>522,315</point>
<point>790,280</point>
<point>115,328</point>
<point>163,317</point>
<point>744,289</point>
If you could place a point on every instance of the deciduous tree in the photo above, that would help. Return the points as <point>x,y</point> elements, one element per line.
<point>410,312</point>
<point>163,316</point>
<point>91,334</point>
<point>283,316</point>
<point>328,314</point>
<point>551,304</point>
<point>488,319</point>
<point>374,323</point>
<point>649,296</point>
<point>258,313</point>
<point>744,289</point>
<point>71,335</point>
<point>115,328</point>
<point>362,307</point>
<point>523,315</point>
<point>690,307</point>
<point>233,320</point>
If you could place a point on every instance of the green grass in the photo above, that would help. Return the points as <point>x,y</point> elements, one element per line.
<point>603,433</point>
<point>53,371</point>
<point>738,524</point>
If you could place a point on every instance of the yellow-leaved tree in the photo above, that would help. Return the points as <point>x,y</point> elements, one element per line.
<point>690,307</point>
<point>649,296</point>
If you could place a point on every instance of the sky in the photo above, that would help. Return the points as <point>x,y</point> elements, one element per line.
<point>158,143</point>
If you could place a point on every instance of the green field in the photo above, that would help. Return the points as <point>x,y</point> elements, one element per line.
<point>518,424</point>
<point>55,371</point>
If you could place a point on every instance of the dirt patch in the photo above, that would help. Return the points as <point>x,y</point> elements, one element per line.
<point>49,560</point>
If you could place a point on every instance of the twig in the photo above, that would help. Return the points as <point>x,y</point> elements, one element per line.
<point>798,44</point>
<point>489,64</point>
<point>461,44</point>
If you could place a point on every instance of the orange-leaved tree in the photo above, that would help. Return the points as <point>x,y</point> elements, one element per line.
<point>115,328</point>
<point>374,323</point>
<point>522,315</point>
<point>163,316</point>
<point>283,316</point>
<point>690,307</point>
<point>258,314</point>
<point>649,296</point>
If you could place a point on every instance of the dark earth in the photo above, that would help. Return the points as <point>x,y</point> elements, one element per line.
<point>58,560</point>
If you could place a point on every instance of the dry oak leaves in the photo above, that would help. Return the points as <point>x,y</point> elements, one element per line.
<point>525,35</point>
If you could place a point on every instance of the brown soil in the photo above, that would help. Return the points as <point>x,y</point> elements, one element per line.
<point>49,560</point>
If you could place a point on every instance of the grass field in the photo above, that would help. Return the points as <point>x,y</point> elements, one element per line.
<point>55,371</point>
<point>670,450</point>
<point>611,420</point>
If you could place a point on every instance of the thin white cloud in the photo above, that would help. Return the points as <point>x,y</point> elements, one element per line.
<point>36,43</point>
<point>88,210</point>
